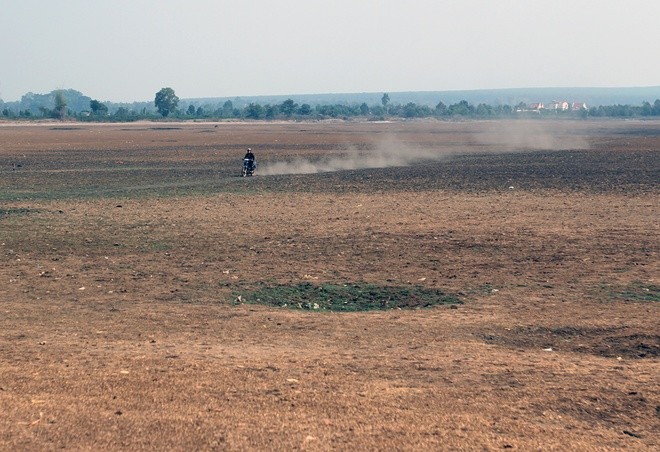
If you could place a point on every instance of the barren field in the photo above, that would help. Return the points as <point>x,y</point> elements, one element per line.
<point>376,286</point>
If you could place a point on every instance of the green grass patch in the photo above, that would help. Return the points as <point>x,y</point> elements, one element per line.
<point>350,297</point>
<point>160,246</point>
<point>638,292</point>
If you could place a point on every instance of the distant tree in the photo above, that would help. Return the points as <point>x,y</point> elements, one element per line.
<point>364,109</point>
<point>623,110</point>
<point>254,111</point>
<point>440,109</point>
<point>121,113</point>
<point>385,100</point>
<point>327,110</point>
<point>166,101</point>
<point>647,109</point>
<point>5,112</point>
<point>377,110</point>
<point>305,110</point>
<point>199,111</point>
<point>410,110</point>
<point>288,107</point>
<point>191,110</point>
<point>463,108</point>
<point>271,111</point>
<point>505,110</point>
<point>484,110</point>
<point>656,107</point>
<point>228,109</point>
<point>60,104</point>
<point>97,108</point>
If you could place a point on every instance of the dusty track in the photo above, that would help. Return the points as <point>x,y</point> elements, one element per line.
<point>123,248</point>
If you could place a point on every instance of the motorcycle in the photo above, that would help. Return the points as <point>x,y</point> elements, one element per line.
<point>249,166</point>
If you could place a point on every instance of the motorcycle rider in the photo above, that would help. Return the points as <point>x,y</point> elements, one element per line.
<point>249,157</point>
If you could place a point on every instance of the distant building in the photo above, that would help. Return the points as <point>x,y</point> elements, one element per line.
<point>556,105</point>
<point>559,105</point>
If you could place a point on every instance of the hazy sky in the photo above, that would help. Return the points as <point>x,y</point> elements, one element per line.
<point>126,50</point>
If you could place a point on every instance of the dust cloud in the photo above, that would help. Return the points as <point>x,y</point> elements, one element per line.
<point>486,137</point>
<point>385,154</point>
<point>516,136</point>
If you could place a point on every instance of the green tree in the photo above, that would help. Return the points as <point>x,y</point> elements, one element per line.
<point>254,111</point>
<point>166,101</point>
<point>121,113</point>
<point>647,109</point>
<point>441,109</point>
<point>484,110</point>
<point>385,100</point>
<point>60,104</point>
<point>410,110</point>
<point>271,111</point>
<point>97,108</point>
<point>364,109</point>
<point>227,109</point>
<point>288,107</point>
<point>191,110</point>
<point>506,110</point>
<point>377,110</point>
<point>305,110</point>
<point>463,108</point>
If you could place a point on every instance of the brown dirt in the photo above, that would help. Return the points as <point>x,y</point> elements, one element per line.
<point>123,249</point>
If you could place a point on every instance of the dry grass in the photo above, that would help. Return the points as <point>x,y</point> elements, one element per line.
<point>120,328</point>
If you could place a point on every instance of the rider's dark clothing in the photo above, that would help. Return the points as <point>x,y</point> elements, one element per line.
<point>249,156</point>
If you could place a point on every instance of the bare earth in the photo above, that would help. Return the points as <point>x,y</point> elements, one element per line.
<point>124,249</point>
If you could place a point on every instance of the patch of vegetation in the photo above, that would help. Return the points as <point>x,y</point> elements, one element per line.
<point>15,211</point>
<point>349,297</point>
<point>638,292</point>
<point>160,246</point>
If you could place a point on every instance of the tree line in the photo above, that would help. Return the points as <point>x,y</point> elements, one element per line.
<point>73,105</point>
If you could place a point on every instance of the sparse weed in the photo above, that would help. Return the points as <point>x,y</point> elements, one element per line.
<point>634,292</point>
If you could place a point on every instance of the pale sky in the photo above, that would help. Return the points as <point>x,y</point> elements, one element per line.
<point>126,50</point>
